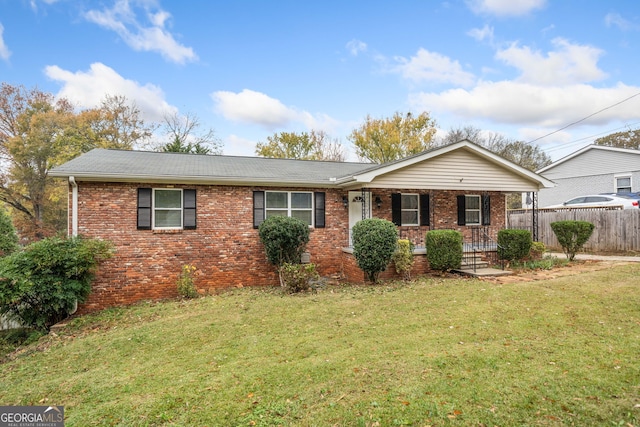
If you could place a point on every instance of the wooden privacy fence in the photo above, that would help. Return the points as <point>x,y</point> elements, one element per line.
<point>615,230</point>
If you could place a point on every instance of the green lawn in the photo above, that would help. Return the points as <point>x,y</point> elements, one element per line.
<point>460,352</point>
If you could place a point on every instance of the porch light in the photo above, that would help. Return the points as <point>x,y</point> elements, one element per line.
<point>378,202</point>
<point>345,201</point>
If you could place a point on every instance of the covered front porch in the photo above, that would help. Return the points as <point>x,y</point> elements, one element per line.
<point>459,187</point>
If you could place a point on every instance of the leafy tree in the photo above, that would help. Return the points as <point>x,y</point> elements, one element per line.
<point>8,236</point>
<point>41,284</point>
<point>374,243</point>
<point>32,133</point>
<point>385,140</point>
<point>314,145</point>
<point>38,132</point>
<point>627,139</point>
<point>185,137</point>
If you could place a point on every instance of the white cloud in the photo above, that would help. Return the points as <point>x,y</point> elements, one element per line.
<point>356,46</point>
<point>235,145</point>
<point>482,34</point>
<point>34,3</point>
<point>254,107</point>
<point>525,104</point>
<point>432,67</point>
<point>505,7</point>
<point>151,36</point>
<point>88,89</point>
<point>615,19</point>
<point>5,53</point>
<point>568,64</point>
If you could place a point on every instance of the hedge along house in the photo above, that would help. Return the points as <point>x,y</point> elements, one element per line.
<point>166,210</point>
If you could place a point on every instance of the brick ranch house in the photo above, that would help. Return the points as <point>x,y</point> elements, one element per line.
<point>166,210</point>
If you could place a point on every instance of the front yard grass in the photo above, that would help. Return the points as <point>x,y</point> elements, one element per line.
<point>436,351</point>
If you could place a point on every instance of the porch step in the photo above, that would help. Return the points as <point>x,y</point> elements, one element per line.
<point>482,268</point>
<point>483,272</point>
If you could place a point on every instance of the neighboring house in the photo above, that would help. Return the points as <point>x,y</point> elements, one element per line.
<point>594,169</point>
<point>165,210</point>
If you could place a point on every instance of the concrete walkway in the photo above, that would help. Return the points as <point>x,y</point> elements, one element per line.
<point>589,257</point>
<point>492,272</point>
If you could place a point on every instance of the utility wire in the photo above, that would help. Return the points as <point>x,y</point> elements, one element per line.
<point>584,118</point>
<point>575,141</point>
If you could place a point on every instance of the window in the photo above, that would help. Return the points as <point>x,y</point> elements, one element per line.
<point>623,184</point>
<point>288,203</point>
<point>472,210</point>
<point>410,209</point>
<point>166,208</point>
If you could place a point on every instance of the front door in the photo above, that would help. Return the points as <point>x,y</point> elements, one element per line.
<point>359,208</point>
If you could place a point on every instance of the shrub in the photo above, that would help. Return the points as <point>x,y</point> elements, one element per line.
<point>374,242</point>
<point>186,286</point>
<point>403,258</point>
<point>537,250</point>
<point>41,284</point>
<point>514,244</point>
<point>444,249</point>
<point>572,235</point>
<point>296,277</point>
<point>8,235</point>
<point>284,239</point>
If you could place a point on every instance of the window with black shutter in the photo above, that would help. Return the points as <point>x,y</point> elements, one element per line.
<point>166,208</point>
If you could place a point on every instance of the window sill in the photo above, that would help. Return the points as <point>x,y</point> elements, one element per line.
<point>168,231</point>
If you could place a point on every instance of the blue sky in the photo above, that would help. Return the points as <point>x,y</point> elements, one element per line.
<point>249,68</point>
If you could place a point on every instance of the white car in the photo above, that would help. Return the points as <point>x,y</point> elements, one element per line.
<point>598,200</point>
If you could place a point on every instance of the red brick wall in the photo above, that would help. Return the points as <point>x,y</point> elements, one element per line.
<point>225,248</point>
<point>352,274</point>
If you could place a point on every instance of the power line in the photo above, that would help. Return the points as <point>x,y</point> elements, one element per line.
<point>584,118</point>
<point>575,141</point>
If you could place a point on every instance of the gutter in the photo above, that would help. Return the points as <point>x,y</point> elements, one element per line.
<point>74,206</point>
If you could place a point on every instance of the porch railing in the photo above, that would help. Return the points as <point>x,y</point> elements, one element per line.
<point>481,248</point>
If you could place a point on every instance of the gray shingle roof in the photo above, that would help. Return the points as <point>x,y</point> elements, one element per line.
<point>120,165</point>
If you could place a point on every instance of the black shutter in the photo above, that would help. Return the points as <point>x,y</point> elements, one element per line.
<point>396,209</point>
<point>462,207</point>
<point>424,210</point>
<point>189,209</point>
<point>258,208</point>
<point>144,208</point>
<point>319,209</point>
<point>486,210</point>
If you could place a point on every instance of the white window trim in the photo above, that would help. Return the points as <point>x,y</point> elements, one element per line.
<point>622,176</point>
<point>288,209</point>
<point>153,209</point>
<point>417,209</point>
<point>479,210</point>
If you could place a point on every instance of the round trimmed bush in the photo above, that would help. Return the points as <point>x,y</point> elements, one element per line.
<point>374,242</point>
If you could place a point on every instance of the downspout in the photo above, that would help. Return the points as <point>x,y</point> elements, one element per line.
<point>74,206</point>
<point>74,222</point>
